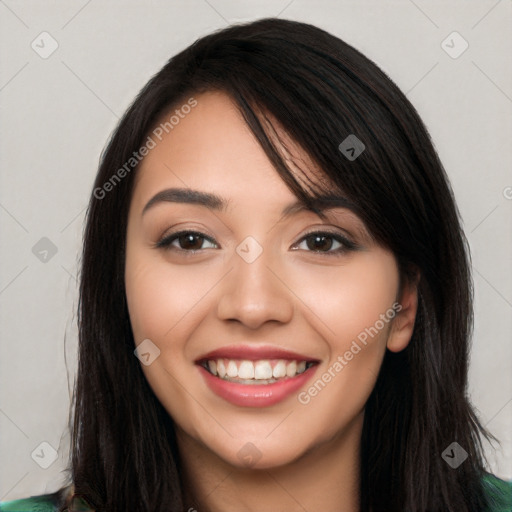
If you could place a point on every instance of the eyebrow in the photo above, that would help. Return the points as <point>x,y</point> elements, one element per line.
<point>215,202</point>
<point>189,196</point>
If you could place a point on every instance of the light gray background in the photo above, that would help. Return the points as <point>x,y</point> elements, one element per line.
<point>57,113</point>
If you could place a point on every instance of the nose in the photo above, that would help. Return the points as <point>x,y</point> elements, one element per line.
<point>254,293</point>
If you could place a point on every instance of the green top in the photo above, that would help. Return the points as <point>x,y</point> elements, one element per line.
<point>46,503</point>
<point>500,492</point>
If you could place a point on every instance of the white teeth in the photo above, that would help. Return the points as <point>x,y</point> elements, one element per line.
<point>232,370</point>
<point>262,370</point>
<point>246,370</point>
<point>212,365</point>
<point>291,369</point>
<point>250,372</point>
<point>279,370</point>
<point>221,369</point>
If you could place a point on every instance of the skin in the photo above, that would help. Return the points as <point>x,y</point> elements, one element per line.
<point>312,302</point>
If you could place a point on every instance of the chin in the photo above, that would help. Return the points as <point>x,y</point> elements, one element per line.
<point>260,453</point>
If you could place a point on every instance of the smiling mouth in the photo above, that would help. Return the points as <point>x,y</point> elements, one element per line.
<point>263,371</point>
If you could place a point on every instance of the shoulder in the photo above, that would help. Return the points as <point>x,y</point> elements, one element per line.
<point>47,502</point>
<point>43,503</point>
<point>499,492</point>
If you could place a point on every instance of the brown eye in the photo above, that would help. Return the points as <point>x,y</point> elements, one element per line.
<point>319,242</point>
<point>189,241</point>
<point>325,242</point>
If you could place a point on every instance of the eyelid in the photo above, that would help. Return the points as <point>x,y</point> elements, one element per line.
<point>347,244</point>
<point>338,234</point>
<point>165,241</point>
<point>327,230</point>
<point>179,230</point>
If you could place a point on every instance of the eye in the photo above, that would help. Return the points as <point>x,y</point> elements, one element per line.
<point>316,241</point>
<point>188,241</point>
<point>325,242</point>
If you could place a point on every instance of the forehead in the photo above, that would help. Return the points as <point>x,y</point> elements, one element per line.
<point>212,146</point>
<point>211,150</point>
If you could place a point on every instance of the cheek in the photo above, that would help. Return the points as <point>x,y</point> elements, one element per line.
<point>164,303</point>
<point>351,303</point>
<point>349,298</point>
<point>164,300</point>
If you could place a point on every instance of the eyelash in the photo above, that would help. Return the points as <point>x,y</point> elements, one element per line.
<point>347,245</point>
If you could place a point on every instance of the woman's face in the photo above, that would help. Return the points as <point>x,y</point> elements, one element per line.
<point>295,325</point>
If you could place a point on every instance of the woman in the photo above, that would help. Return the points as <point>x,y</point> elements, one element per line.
<point>275,300</point>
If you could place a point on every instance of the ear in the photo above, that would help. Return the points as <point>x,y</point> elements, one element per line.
<point>402,325</point>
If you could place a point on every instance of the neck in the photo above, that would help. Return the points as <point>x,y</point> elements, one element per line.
<point>323,478</point>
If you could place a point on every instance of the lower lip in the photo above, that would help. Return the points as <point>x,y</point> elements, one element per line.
<point>256,395</point>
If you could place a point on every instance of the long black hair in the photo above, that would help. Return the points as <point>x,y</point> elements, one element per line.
<point>320,90</point>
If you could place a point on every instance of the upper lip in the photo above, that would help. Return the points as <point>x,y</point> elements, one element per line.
<point>254,353</point>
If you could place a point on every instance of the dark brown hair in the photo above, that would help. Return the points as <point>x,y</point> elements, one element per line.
<point>320,90</point>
